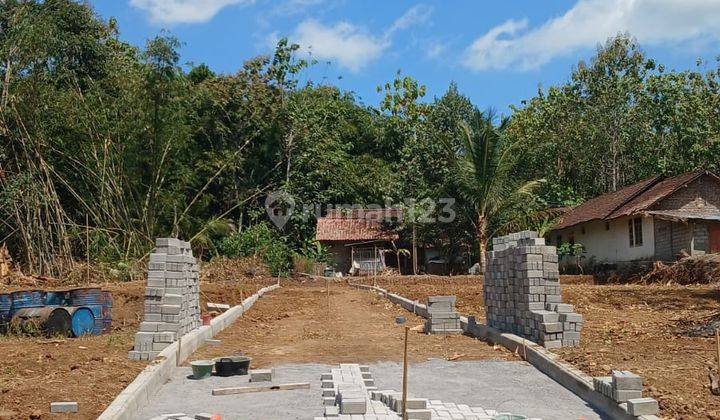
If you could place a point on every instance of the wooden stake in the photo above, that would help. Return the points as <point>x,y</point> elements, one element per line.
<point>177,356</point>
<point>87,246</point>
<point>717,342</point>
<point>405,374</point>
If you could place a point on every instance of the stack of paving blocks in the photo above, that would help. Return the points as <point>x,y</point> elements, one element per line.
<point>522,292</point>
<point>172,298</point>
<point>345,390</point>
<point>625,387</point>
<point>442,317</point>
<point>349,392</point>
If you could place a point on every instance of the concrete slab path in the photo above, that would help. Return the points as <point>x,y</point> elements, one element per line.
<point>514,387</point>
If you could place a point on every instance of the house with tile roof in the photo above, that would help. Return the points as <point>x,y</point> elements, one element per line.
<point>360,240</point>
<point>655,219</point>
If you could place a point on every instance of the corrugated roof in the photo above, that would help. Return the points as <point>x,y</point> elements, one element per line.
<point>356,225</point>
<point>632,199</point>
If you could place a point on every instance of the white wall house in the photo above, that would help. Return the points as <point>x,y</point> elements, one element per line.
<point>655,219</point>
<point>611,240</point>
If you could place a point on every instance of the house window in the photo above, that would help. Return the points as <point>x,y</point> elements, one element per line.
<point>558,240</point>
<point>607,225</point>
<point>635,231</point>
<point>582,230</point>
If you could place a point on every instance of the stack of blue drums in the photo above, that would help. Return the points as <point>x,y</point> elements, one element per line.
<point>89,310</point>
<point>5,305</point>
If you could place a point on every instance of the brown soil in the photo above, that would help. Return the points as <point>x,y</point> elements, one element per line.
<point>642,329</point>
<point>295,324</point>
<point>629,327</point>
<point>37,371</point>
<point>468,289</point>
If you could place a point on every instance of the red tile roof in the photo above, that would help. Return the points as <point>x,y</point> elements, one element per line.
<point>357,225</point>
<point>626,201</point>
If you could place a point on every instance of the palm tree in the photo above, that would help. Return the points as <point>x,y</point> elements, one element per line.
<point>483,175</point>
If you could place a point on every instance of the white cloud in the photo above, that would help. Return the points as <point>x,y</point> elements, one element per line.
<point>415,15</point>
<point>292,7</point>
<point>352,46</point>
<point>346,43</point>
<point>589,22</point>
<point>184,11</point>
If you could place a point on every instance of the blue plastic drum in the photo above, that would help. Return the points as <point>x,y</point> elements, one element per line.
<point>83,321</point>
<point>27,299</point>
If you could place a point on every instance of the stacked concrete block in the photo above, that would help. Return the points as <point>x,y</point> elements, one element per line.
<point>349,392</point>
<point>172,298</point>
<point>442,316</point>
<point>643,407</point>
<point>625,387</point>
<point>522,292</point>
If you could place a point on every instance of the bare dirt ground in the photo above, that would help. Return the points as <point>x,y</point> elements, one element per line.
<point>295,324</point>
<point>642,328</point>
<point>92,370</point>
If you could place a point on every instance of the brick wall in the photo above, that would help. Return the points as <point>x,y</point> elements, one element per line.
<point>701,197</point>
<point>673,237</point>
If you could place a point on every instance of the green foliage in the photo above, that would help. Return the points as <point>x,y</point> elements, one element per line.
<point>316,251</point>
<point>94,129</point>
<point>263,241</point>
<point>570,250</point>
<point>620,118</point>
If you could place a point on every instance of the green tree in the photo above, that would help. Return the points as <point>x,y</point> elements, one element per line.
<point>484,177</point>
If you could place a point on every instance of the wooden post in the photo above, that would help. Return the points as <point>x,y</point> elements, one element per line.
<point>375,266</point>
<point>414,251</point>
<point>717,343</point>
<point>177,356</point>
<point>405,374</point>
<point>87,246</point>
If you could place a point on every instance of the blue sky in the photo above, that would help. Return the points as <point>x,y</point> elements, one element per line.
<point>499,52</point>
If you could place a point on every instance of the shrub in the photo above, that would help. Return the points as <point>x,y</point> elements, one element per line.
<point>260,240</point>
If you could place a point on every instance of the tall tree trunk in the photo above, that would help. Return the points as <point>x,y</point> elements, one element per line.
<point>414,252</point>
<point>482,240</point>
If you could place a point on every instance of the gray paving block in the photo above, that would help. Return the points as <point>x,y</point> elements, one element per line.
<point>626,380</point>
<point>642,406</point>
<point>261,375</point>
<point>623,395</point>
<point>64,407</point>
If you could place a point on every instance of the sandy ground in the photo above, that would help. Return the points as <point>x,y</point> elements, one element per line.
<point>298,324</point>
<point>92,370</point>
<point>629,327</point>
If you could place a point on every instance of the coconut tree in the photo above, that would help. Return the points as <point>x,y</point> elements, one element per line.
<point>484,179</point>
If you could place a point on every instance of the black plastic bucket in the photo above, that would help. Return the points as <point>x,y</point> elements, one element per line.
<point>230,366</point>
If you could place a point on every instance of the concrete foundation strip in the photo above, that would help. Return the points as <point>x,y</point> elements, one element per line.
<point>133,398</point>
<point>548,363</point>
